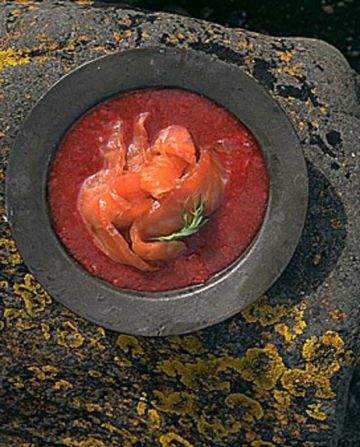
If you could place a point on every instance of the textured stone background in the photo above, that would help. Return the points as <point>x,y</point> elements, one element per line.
<point>275,375</point>
<point>336,21</point>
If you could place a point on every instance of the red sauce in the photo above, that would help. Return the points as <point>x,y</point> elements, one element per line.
<point>222,240</point>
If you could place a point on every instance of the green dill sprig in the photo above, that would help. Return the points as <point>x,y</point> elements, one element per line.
<point>193,221</point>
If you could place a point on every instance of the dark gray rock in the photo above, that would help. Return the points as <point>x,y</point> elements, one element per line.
<point>275,375</point>
<point>351,432</point>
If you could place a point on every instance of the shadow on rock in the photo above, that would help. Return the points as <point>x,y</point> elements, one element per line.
<point>321,244</point>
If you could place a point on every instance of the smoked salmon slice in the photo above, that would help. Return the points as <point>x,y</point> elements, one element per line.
<point>142,193</point>
<point>136,155</point>
<point>114,152</point>
<point>175,140</point>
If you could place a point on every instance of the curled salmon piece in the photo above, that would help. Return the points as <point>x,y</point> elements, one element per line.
<point>139,197</point>
<point>204,182</point>
<point>99,211</point>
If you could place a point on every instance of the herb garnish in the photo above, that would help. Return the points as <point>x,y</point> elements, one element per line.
<point>193,221</point>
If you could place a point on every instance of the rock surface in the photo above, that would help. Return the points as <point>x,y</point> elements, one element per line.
<point>275,375</point>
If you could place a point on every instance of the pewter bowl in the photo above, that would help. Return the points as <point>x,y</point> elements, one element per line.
<point>176,311</point>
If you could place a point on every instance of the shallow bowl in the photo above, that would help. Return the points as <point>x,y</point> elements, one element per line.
<point>176,311</point>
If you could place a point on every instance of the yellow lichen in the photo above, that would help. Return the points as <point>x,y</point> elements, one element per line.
<point>322,352</point>
<point>122,362</point>
<point>191,36</point>
<point>297,381</point>
<point>130,344</point>
<point>117,36</point>
<point>94,373</point>
<point>263,313</point>
<point>83,38</point>
<point>45,328</point>
<point>98,48</point>
<point>267,315</point>
<point>323,110</point>
<point>100,330</point>
<point>18,383</point>
<point>314,411</point>
<point>203,373</point>
<point>4,284</point>
<point>286,56</point>
<point>283,399</point>
<point>316,259</point>
<point>12,58</point>
<point>293,70</point>
<point>111,428</point>
<point>172,39</point>
<point>350,358</point>
<point>89,442</point>
<point>33,295</point>
<point>68,336</point>
<point>189,343</point>
<point>173,440</point>
<point>315,123</point>
<point>19,317</point>
<point>81,423</point>
<point>91,407</point>
<point>301,125</point>
<point>282,403</point>
<point>215,429</point>
<point>221,421</point>
<point>76,402</point>
<point>336,224</point>
<point>250,409</point>
<point>46,372</point>
<point>141,408</point>
<point>297,312</point>
<point>8,251</point>
<point>177,402</point>
<point>250,436</point>
<point>154,422</point>
<point>124,21</point>
<point>260,443</point>
<point>244,44</point>
<point>299,418</point>
<point>284,330</point>
<point>337,314</point>
<point>323,385</point>
<point>262,366</point>
<point>62,384</point>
